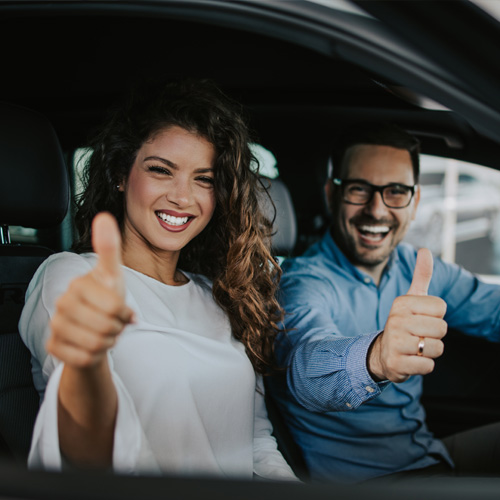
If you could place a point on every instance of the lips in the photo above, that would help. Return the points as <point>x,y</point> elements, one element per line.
<point>371,232</point>
<point>173,221</point>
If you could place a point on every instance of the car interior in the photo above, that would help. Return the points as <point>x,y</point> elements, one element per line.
<point>41,202</point>
<point>65,63</point>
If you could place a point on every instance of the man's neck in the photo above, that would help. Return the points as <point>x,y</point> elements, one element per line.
<point>375,272</point>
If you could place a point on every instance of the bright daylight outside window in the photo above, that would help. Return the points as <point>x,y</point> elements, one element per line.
<point>458,216</point>
<point>19,234</point>
<point>267,163</point>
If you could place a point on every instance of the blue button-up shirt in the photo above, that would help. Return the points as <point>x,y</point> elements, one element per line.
<point>334,312</point>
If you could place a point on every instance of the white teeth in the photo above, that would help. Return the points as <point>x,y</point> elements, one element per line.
<point>170,219</point>
<point>375,229</point>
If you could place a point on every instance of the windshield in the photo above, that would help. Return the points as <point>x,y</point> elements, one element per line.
<point>344,5</point>
<point>492,7</point>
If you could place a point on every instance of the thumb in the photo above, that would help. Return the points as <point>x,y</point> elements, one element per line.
<point>422,274</point>
<point>106,242</point>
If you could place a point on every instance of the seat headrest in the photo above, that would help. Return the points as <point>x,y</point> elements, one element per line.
<point>285,224</point>
<point>34,187</point>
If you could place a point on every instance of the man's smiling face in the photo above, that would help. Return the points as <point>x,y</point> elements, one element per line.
<point>367,234</point>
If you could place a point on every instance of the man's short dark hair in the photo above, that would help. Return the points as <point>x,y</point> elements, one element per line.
<point>377,134</point>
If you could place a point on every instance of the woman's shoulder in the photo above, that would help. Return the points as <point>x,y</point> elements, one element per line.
<point>62,267</point>
<point>68,260</point>
<point>199,280</point>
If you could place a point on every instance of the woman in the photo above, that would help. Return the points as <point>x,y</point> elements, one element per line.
<point>157,326</point>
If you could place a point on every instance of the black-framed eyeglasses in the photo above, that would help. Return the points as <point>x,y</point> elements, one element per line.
<point>360,192</point>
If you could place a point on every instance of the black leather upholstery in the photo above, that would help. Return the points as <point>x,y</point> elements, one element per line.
<point>34,193</point>
<point>34,181</point>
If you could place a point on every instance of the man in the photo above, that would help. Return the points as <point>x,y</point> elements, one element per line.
<point>361,329</point>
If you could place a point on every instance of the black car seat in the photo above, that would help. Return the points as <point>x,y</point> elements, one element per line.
<point>284,240</point>
<point>34,193</point>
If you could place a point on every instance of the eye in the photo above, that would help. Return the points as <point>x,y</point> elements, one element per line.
<point>397,191</point>
<point>205,179</point>
<point>157,169</point>
<point>358,189</point>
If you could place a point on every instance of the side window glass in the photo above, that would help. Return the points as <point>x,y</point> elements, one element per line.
<point>19,234</point>
<point>80,158</point>
<point>458,217</point>
<point>266,164</point>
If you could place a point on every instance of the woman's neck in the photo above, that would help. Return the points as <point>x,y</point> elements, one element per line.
<point>161,266</point>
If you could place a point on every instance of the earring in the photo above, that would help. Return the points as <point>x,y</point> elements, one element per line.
<point>118,187</point>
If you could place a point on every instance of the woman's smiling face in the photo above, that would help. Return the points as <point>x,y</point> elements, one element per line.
<point>169,193</point>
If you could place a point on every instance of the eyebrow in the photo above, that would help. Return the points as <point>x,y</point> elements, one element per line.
<point>173,165</point>
<point>380,185</point>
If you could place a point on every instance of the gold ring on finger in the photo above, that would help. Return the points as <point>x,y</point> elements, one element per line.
<point>421,345</point>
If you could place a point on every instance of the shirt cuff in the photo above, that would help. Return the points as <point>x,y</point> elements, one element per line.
<point>356,368</point>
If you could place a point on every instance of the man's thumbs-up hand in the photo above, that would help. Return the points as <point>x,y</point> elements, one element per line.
<point>422,273</point>
<point>92,313</point>
<point>413,331</point>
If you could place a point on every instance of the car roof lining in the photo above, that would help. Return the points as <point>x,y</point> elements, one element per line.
<point>78,64</point>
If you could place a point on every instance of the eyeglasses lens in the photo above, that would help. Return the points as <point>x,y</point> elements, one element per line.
<point>394,196</point>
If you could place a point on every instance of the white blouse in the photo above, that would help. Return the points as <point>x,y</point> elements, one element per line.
<point>188,398</point>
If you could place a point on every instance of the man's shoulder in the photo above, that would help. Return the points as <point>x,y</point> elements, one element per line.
<point>317,270</point>
<point>307,264</point>
<point>443,272</point>
<point>406,253</point>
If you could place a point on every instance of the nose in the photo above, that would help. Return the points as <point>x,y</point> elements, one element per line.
<point>376,207</point>
<point>180,192</point>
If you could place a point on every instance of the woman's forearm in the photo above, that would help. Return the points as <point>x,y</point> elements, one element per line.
<point>87,408</point>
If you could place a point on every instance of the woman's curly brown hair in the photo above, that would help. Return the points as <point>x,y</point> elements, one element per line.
<point>234,250</point>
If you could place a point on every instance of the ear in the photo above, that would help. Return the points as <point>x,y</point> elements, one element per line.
<point>416,201</point>
<point>329,194</point>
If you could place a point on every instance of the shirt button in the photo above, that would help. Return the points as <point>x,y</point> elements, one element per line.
<point>369,388</point>
<point>349,405</point>
<point>367,280</point>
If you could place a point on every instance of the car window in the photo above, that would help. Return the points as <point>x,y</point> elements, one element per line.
<point>19,234</point>
<point>431,178</point>
<point>458,216</point>
<point>80,158</point>
<point>267,164</point>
